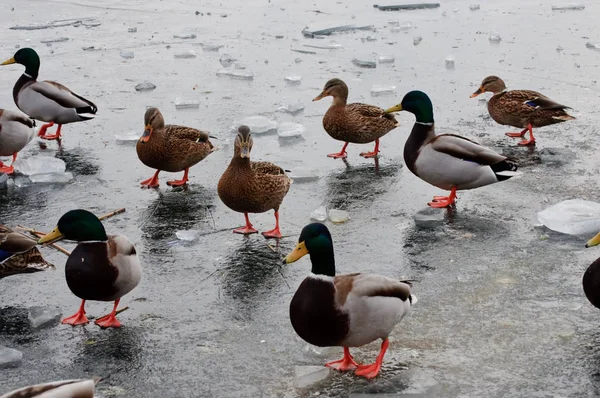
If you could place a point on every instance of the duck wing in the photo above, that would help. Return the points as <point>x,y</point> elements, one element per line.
<point>14,242</point>
<point>17,117</point>
<point>370,285</point>
<point>369,111</point>
<point>60,94</point>
<point>266,168</point>
<point>187,136</point>
<point>465,149</point>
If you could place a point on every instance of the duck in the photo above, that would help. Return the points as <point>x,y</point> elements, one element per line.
<point>19,254</point>
<point>100,268</point>
<point>47,100</point>
<point>524,109</point>
<point>80,388</point>
<point>353,123</point>
<point>170,148</point>
<point>591,277</point>
<point>347,310</point>
<point>448,161</point>
<point>252,187</point>
<point>16,131</point>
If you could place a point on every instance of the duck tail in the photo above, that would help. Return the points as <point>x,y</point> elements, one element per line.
<point>564,117</point>
<point>413,299</point>
<point>505,169</point>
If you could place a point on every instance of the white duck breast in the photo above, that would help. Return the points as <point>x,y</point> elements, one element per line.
<point>123,256</point>
<point>16,131</point>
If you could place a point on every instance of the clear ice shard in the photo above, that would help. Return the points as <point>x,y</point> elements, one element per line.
<point>181,103</point>
<point>572,216</point>
<point>41,317</point>
<point>290,130</point>
<point>39,164</point>
<point>257,124</point>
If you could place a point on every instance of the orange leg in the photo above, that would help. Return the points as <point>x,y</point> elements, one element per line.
<point>531,140</point>
<point>517,134</point>
<point>370,371</point>
<point>42,132</point>
<point>371,154</point>
<point>151,182</point>
<point>341,154</point>
<point>8,169</point>
<point>275,232</point>
<point>444,201</point>
<point>247,230</point>
<point>346,363</point>
<point>54,136</point>
<point>178,183</point>
<point>110,320</point>
<point>79,318</point>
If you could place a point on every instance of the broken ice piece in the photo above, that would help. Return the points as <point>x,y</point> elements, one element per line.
<point>185,55</point>
<point>126,54</point>
<point>406,26</point>
<point>90,24</point>
<point>293,79</point>
<point>379,89</point>
<point>565,7</point>
<point>185,36</point>
<point>330,46</point>
<point>188,235</point>
<point>319,214</point>
<point>39,164</point>
<point>257,124</point>
<point>238,74</point>
<point>303,174</point>
<point>292,108</point>
<point>57,40</point>
<point>40,317</point>
<point>364,63</point>
<point>449,62</point>
<point>593,46</point>
<point>131,30</point>
<point>429,217</point>
<point>290,130</point>
<point>10,358</point>
<point>474,7</point>
<point>145,86</point>
<point>226,60</point>
<point>369,38</point>
<point>394,22</point>
<point>418,6</point>
<point>3,179</point>
<point>52,178</point>
<point>309,376</point>
<point>386,59</point>
<point>22,181</point>
<point>338,216</point>
<point>181,103</point>
<point>417,40</point>
<point>211,47</point>
<point>127,137</point>
<point>495,37</point>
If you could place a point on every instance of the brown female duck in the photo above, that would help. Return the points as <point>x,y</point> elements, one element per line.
<point>18,254</point>
<point>170,148</point>
<point>524,109</point>
<point>252,187</point>
<point>355,123</point>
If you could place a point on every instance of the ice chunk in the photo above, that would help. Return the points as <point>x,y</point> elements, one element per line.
<point>257,125</point>
<point>368,38</point>
<point>309,376</point>
<point>3,179</point>
<point>10,358</point>
<point>293,108</point>
<point>495,37</point>
<point>386,59</point>
<point>406,26</point>
<point>238,74</point>
<point>41,317</point>
<point>449,62</point>
<point>185,36</point>
<point>593,46</point>
<point>338,216</point>
<point>559,48</point>
<point>330,46</point>
<point>52,178</point>
<point>556,156</point>
<point>303,174</point>
<point>337,29</point>
<point>211,47</point>
<point>126,54</point>
<point>226,60</point>
<point>319,214</point>
<point>181,103</point>
<point>474,7</point>
<point>394,22</point>
<point>145,86</point>
<point>132,136</point>
<point>417,6</point>
<point>565,7</point>
<point>22,181</point>
<point>185,55</point>
<point>132,30</point>
<point>429,217</point>
<point>293,79</point>
<point>417,40</point>
<point>188,235</point>
<point>364,63</point>
<point>57,40</point>
<point>573,217</point>
<point>379,89</point>
<point>91,24</point>
<point>39,164</point>
<point>290,130</point>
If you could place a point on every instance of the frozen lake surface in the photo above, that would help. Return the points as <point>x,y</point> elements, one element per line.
<point>501,310</point>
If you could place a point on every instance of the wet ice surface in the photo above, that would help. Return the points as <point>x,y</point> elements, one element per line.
<point>501,310</point>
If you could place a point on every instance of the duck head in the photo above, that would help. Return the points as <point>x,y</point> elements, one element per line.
<point>316,241</point>
<point>243,142</point>
<point>153,120</point>
<point>28,58</point>
<point>491,83</point>
<point>78,225</point>
<point>417,103</point>
<point>335,88</point>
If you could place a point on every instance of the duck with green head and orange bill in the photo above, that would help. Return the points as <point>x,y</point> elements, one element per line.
<point>348,310</point>
<point>252,187</point>
<point>353,123</point>
<point>101,267</point>
<point>448,161</point>
<point>524,109</point>
<point>47,100</point>
<point>591,277</point>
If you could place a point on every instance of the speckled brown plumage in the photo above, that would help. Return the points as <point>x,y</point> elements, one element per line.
<point>19,254</point>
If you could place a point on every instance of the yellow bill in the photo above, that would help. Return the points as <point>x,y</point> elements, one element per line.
<point>396,108</point>
<point>51,237</point>
<point>9,61</point>
<point>299,251</point>
<point>595,241</point>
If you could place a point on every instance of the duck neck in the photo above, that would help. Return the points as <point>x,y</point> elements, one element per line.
<point>339,101</point>
<point>240,162</point>
<point>323,261</point>
<point>420,134</point>
<point>32,68</point>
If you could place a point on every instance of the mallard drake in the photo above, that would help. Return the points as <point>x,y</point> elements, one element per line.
<point>16,131</point>
<point>355,123</point>
<point>448,161</point>
<point>524,109</point>
<point>18,254</point>
<point>46,100</point>
<point>57,389</point>
<point>101,268</point>
<point>252,187</point>
<point>347,310</point>
<point>591,277</point>
<point>170,148</point>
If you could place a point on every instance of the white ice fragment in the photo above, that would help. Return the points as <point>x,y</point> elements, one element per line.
<point>57,40</point>
<point>131,136</point>
<point>126,54</point>
<point>308,376</point>
<point>188,235</point>
<point>39,164</point>
<point>338,216</point>
<point>185,36</point>
<point>565,7</point>
<point>22,181</point>
<point>319,214</point>
<point>52,178</point>
<point>185,55</point>
<point>238,74</point>
<point>495,37</point>
<point>226,60</point>
<point>573,217</point>
<point>369,38</point>
<point>292,107</point>
<point>474,7</point>
<point>429,217</point>
<point>379,89</point>
<point>455,9</point>
<point>417,40</point>
<point>132,30</point>
<point>257,124</point>
<point>593,46</point>
<point>10,358</point>
<point>449,62</point>
<point>181,103</point>
<point>3,179</point>
<point>386,59</point>
<point>406,26</point>
<point>393,22</point>
<point>303,174</point>
<point>211,47</point>
<point>364,63</point>
<point>293,79</point>
<point>290,130</point>
<point>325,46</point>
<point>41,317</point>
<point>145,86</point>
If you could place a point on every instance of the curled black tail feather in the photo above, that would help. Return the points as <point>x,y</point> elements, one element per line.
<point>505,165</point>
